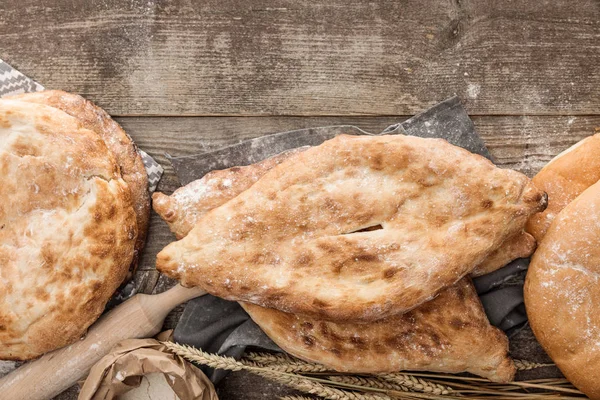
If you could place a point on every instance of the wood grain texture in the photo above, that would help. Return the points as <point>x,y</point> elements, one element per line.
<point>338,57</point>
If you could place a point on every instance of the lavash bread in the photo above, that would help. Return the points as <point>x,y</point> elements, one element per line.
<point>67,228</point>
<point>564,178</point>
<point>562,291</point>
<point>450,333</point>
<point>290,241</point>
<point>118,142</point>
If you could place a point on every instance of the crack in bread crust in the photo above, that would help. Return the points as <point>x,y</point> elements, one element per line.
<point>67,229</point>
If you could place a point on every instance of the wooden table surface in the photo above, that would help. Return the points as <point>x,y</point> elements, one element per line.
<point>180,75</point>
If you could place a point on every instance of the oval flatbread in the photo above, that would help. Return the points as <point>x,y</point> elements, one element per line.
<point>292,241</point>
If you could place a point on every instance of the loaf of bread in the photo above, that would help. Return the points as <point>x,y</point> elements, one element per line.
<point>562,291</point>
<point>450,333</point>
<point>292,241</point>
<point>119,144</point>
<point>67,228</point>
<point>563,179</point>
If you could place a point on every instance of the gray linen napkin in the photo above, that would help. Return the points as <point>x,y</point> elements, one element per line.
<point>222,326</point>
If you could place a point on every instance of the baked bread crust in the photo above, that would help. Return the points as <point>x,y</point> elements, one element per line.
<point>118,142</point>
<point>187,204</point>
<point>520,245</point>
<point>562,291</point>
<point>564,178</point>
<point>450,334</point>
<point>67,229</point>
<point>288,242</point>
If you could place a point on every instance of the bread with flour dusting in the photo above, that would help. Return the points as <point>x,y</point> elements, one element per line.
<point>450,333</point>
<point>131,166</point>
<point>562,291</point>
<point>292,241</point>
<point>187,204</point>
<point>182,209</point>
<point>67,229</point>
<point>564,178</point>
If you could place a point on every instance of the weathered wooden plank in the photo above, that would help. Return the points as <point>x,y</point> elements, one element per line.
<point>339,57</point>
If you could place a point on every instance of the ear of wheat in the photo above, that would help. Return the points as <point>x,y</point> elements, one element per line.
<point>318,380</point>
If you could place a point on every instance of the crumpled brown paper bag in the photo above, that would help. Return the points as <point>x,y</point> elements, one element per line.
<point>122,370</point>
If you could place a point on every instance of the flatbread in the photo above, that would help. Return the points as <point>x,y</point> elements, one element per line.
<point>448,334</point>
<point>118,142</point>
<point>562,291</point>
<point>67,229</point>
<point>186,205</point>
<point>290,241</point>
<point>520,245</point>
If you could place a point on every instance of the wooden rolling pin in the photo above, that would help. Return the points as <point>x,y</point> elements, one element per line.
<point>141,316</point>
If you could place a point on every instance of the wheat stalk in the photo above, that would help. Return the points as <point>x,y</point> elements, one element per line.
<point>415,383</point>
<point>310,385</point>
<point>283,363</point>
<point>294,398</point>
<point>371,382</point>
<point>524,365</point>
<point>307,385</point>
<point>280,368</point>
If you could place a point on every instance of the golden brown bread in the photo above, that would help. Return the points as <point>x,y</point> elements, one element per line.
<point>186,205</point>
<point>562,291</point>
<point>118,142</point>
<point>290,242</point>
<point>450,333</point>
<point>564,178</point>
<point>183,208</point>
<point>519,245</point>
<point>67,228</point>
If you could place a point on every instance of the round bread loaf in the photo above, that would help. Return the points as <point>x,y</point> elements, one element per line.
<point>562,291</point>
<point>563,179</point>
<point>118,142</point>
<point>67,229</point>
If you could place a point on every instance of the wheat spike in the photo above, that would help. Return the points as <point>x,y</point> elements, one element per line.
<point>283,363</point>
<point>294,398</point>
<point>524,365</point>
<point>414,383</point>
<point>305,384</point>
<point>267,358</point>
<point>370,382</point>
